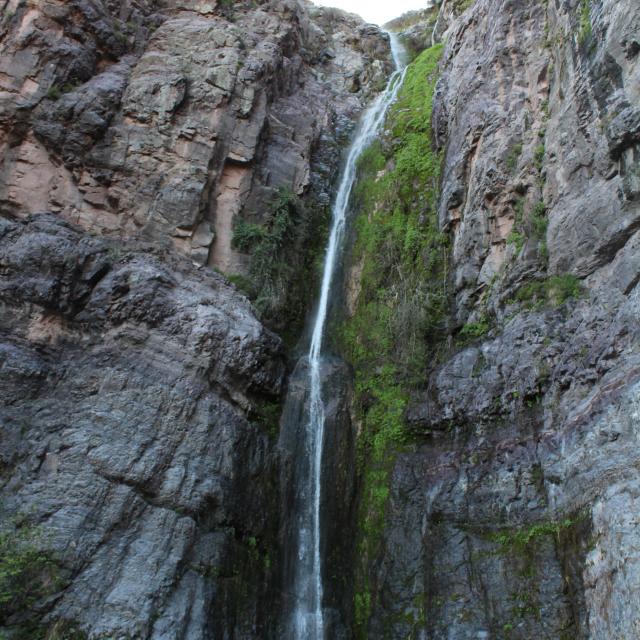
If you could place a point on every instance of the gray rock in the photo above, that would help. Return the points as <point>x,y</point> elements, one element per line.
<point>511,516</point>
<point>129,384</point>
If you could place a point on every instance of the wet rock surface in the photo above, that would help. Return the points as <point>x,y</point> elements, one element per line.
<point>338,495</point>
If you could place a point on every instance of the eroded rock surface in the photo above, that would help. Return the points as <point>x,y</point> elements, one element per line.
<point>125,118</point>
<point>130,382</point>
<point>515,515</point>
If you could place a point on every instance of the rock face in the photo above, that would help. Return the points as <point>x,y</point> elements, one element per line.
<point>138,469</point>
<point>338,492</point>
<point>130,382</point>
<point>168,120</point>
<point>142,490</point>
<point>515,514</point>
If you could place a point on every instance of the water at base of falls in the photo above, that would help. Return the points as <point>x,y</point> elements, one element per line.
<point>307,619</point>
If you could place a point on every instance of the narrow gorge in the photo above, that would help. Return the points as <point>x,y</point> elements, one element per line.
<point>302,337</point>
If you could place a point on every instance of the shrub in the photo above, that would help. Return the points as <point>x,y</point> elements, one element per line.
<point>555,291</point>
<point>284,260</point>
<point>539,220</point>
<point>473,331</point>
<point>563,288</point>
<point>54,92</point>
<point>246,235</point>
<point>514,156</point>
<point>516,238</point>
<point>27,573</point>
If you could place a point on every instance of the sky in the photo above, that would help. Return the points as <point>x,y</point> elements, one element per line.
<point>377,11</point>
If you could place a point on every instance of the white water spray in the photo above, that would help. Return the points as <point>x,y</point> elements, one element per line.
<point>308,617</point>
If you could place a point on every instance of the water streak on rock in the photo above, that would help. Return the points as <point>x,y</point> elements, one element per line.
<point>308,619</point>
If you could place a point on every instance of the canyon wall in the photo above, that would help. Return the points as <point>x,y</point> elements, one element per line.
<point>172,121</point>
<point>140,391</point>
<point>487,468</point>
<point>513,494</point>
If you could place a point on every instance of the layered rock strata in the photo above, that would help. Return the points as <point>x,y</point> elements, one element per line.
<point>171,119</point>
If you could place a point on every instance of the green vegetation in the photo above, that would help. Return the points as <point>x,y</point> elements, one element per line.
<point>402,308</point>
<point>267,415</point>
<point>514,156</point>
<point>460,6</point>
<point>55,92</point>
<point>522,547</point>
<point>533,225</point>
<point>411,18</point>
<point>585,21</point>
<point>473,330</point>
<point>516,238</point>
<point>539,224</point>
<point>555,291</point>
<point>282,250</point>
<point>226,8</point>
<point>27,574</point>
<point>513,540</point>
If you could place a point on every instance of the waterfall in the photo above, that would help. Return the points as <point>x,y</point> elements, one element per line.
<point>308,621</point>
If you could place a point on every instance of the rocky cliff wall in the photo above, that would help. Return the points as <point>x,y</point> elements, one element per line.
<point>492,305</point>
<point>512,500</point>
<point>140,392</point>
<point>174,120</point>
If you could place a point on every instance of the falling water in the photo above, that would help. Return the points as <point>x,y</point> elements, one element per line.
<point>308,617</point>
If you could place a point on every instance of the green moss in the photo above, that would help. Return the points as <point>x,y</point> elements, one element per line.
<point>282,251</point>
<point>402,308</point>
<point>520,539</point>
<point>555,291</point>
<point>585,21</point>
<point>522,547</point>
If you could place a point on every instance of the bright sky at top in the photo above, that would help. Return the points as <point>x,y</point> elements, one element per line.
<point>377,11</point>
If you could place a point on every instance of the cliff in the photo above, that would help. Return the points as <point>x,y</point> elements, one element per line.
<point>140,391</point>
<point>483,474</point>
<point>174,121</point>
<point>508,508</point>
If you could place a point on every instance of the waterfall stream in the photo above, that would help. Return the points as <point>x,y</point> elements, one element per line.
<point>308,620</point>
